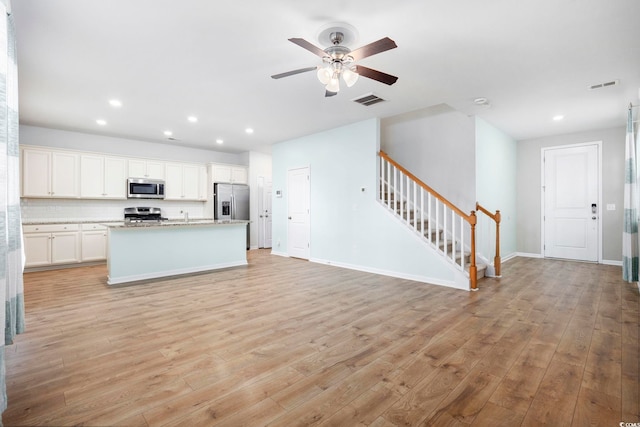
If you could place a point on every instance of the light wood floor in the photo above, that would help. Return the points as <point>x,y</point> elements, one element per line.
<point>285,342</point>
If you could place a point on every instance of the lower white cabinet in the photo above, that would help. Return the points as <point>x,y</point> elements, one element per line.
<point>94,242</point>
<point>51,244</point>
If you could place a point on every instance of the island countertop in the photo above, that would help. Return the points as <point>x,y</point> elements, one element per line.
<point>173,223</point>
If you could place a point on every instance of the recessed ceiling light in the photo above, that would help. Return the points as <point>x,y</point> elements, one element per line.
<point>116,103</point>
<point>101,122</point>
<point>219,141</point>
<point>481,101</point>
<point>168,133</point>
<point>249,130</point>
<point>558,118</point>
<point>192,119</point>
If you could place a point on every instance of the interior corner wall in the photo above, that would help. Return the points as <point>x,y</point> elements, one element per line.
<point>529,226</point>
<point>349,227</point>
<point>429,143</point>
<point>496,175</point>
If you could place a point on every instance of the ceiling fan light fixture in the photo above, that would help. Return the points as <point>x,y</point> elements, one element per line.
<point>349,76</point>
<point>334,84</point>
<point>324,75</point>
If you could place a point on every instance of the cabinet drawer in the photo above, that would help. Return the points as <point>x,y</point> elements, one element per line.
<point>86,227</point>
<point>50,228</point>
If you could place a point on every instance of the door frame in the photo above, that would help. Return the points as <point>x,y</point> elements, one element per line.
<point>262,183</point>
<point>307,168</point>
<point>543,150</point>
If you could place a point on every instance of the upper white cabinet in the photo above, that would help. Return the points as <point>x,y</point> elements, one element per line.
<point>184,182</point>
<point>140,168</point>
<point>235,174</point>
<point>102,177</point>
<point>74,174</point>
<point>47,173</point>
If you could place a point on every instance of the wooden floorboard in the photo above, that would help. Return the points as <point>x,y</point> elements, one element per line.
<point>286,342</point>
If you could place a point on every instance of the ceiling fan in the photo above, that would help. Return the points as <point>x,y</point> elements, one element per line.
<point>339,61</point>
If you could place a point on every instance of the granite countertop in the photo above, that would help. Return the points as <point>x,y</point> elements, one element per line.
<point>172,223</point>
<point>112,221</point>
<point>65,221</point>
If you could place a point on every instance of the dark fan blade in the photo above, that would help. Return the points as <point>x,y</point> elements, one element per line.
<point>376,75</point>
<point>311,48</point>
<point>329,93</point>
<point>293,72</point>
<point>373,48</point>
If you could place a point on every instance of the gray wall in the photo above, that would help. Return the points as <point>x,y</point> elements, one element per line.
<point>428,142</point>
<point>529,191</point>
<point>496,175</point>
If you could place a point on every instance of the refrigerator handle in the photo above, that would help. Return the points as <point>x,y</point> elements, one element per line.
<point>233,207</point>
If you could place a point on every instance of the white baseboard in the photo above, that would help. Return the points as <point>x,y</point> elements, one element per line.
<point>423,279</point>
<point>529,255</point>
<point>611,262</point>
<point>168,273</point>
<point>278,253</point>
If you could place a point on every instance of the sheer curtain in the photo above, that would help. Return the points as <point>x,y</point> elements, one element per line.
<point>11,254</point>
<point>630,246</point>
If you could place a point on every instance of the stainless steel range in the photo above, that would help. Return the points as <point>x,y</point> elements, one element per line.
<point>143,214</point>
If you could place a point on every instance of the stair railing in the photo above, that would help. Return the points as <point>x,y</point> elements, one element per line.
<point>417,203</point>
<point>496,217</point>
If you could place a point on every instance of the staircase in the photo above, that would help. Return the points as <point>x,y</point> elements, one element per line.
<point>439,223</point>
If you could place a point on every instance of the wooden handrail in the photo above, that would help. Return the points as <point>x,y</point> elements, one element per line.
<point>497,218</point>
<point>467,217</point>
<point>470,218</point>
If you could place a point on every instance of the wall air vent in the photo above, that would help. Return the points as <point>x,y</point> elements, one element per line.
<point>368,99</point>
<point>605,84</point>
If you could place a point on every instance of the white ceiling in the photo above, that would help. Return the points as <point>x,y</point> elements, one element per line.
<point>165,60</point>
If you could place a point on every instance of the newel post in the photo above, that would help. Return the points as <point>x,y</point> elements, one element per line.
<point>496,260</point>
<point>473,269</point>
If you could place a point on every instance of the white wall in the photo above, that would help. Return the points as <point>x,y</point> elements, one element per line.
<point>54,138</point>
<point>529,196</point>
<point>349,227</point>
<point>429,143</point>
<point>496,175</point>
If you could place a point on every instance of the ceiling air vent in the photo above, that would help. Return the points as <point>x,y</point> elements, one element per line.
<point>368,99</point>
<point>605,84</point>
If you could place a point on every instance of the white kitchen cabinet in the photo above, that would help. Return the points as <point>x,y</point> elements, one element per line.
<point>184,182</point>
<point>94,242</point>
<point>140,168</point>
<point>37,248</point>
<point>47,173</point>
<point>102,177</point>
<point>51,244</point>
<point>235,174</point>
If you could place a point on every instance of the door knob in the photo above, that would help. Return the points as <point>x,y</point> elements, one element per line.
<point>289,217</point>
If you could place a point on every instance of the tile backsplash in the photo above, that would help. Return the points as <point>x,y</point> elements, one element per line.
<point>42,210</point>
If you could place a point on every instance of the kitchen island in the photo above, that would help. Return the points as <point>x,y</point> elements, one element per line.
<point>142,251</point>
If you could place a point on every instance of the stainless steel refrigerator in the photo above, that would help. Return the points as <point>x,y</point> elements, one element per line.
<point>231,201</point>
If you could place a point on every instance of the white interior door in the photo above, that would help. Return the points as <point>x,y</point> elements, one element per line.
<point>264,207</point>
<point>571,212</point>
<point>298,232</point>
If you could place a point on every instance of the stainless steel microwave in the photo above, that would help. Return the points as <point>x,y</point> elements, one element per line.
<point>144,188</point>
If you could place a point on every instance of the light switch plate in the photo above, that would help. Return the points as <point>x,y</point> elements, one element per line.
<point>611,207</point>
